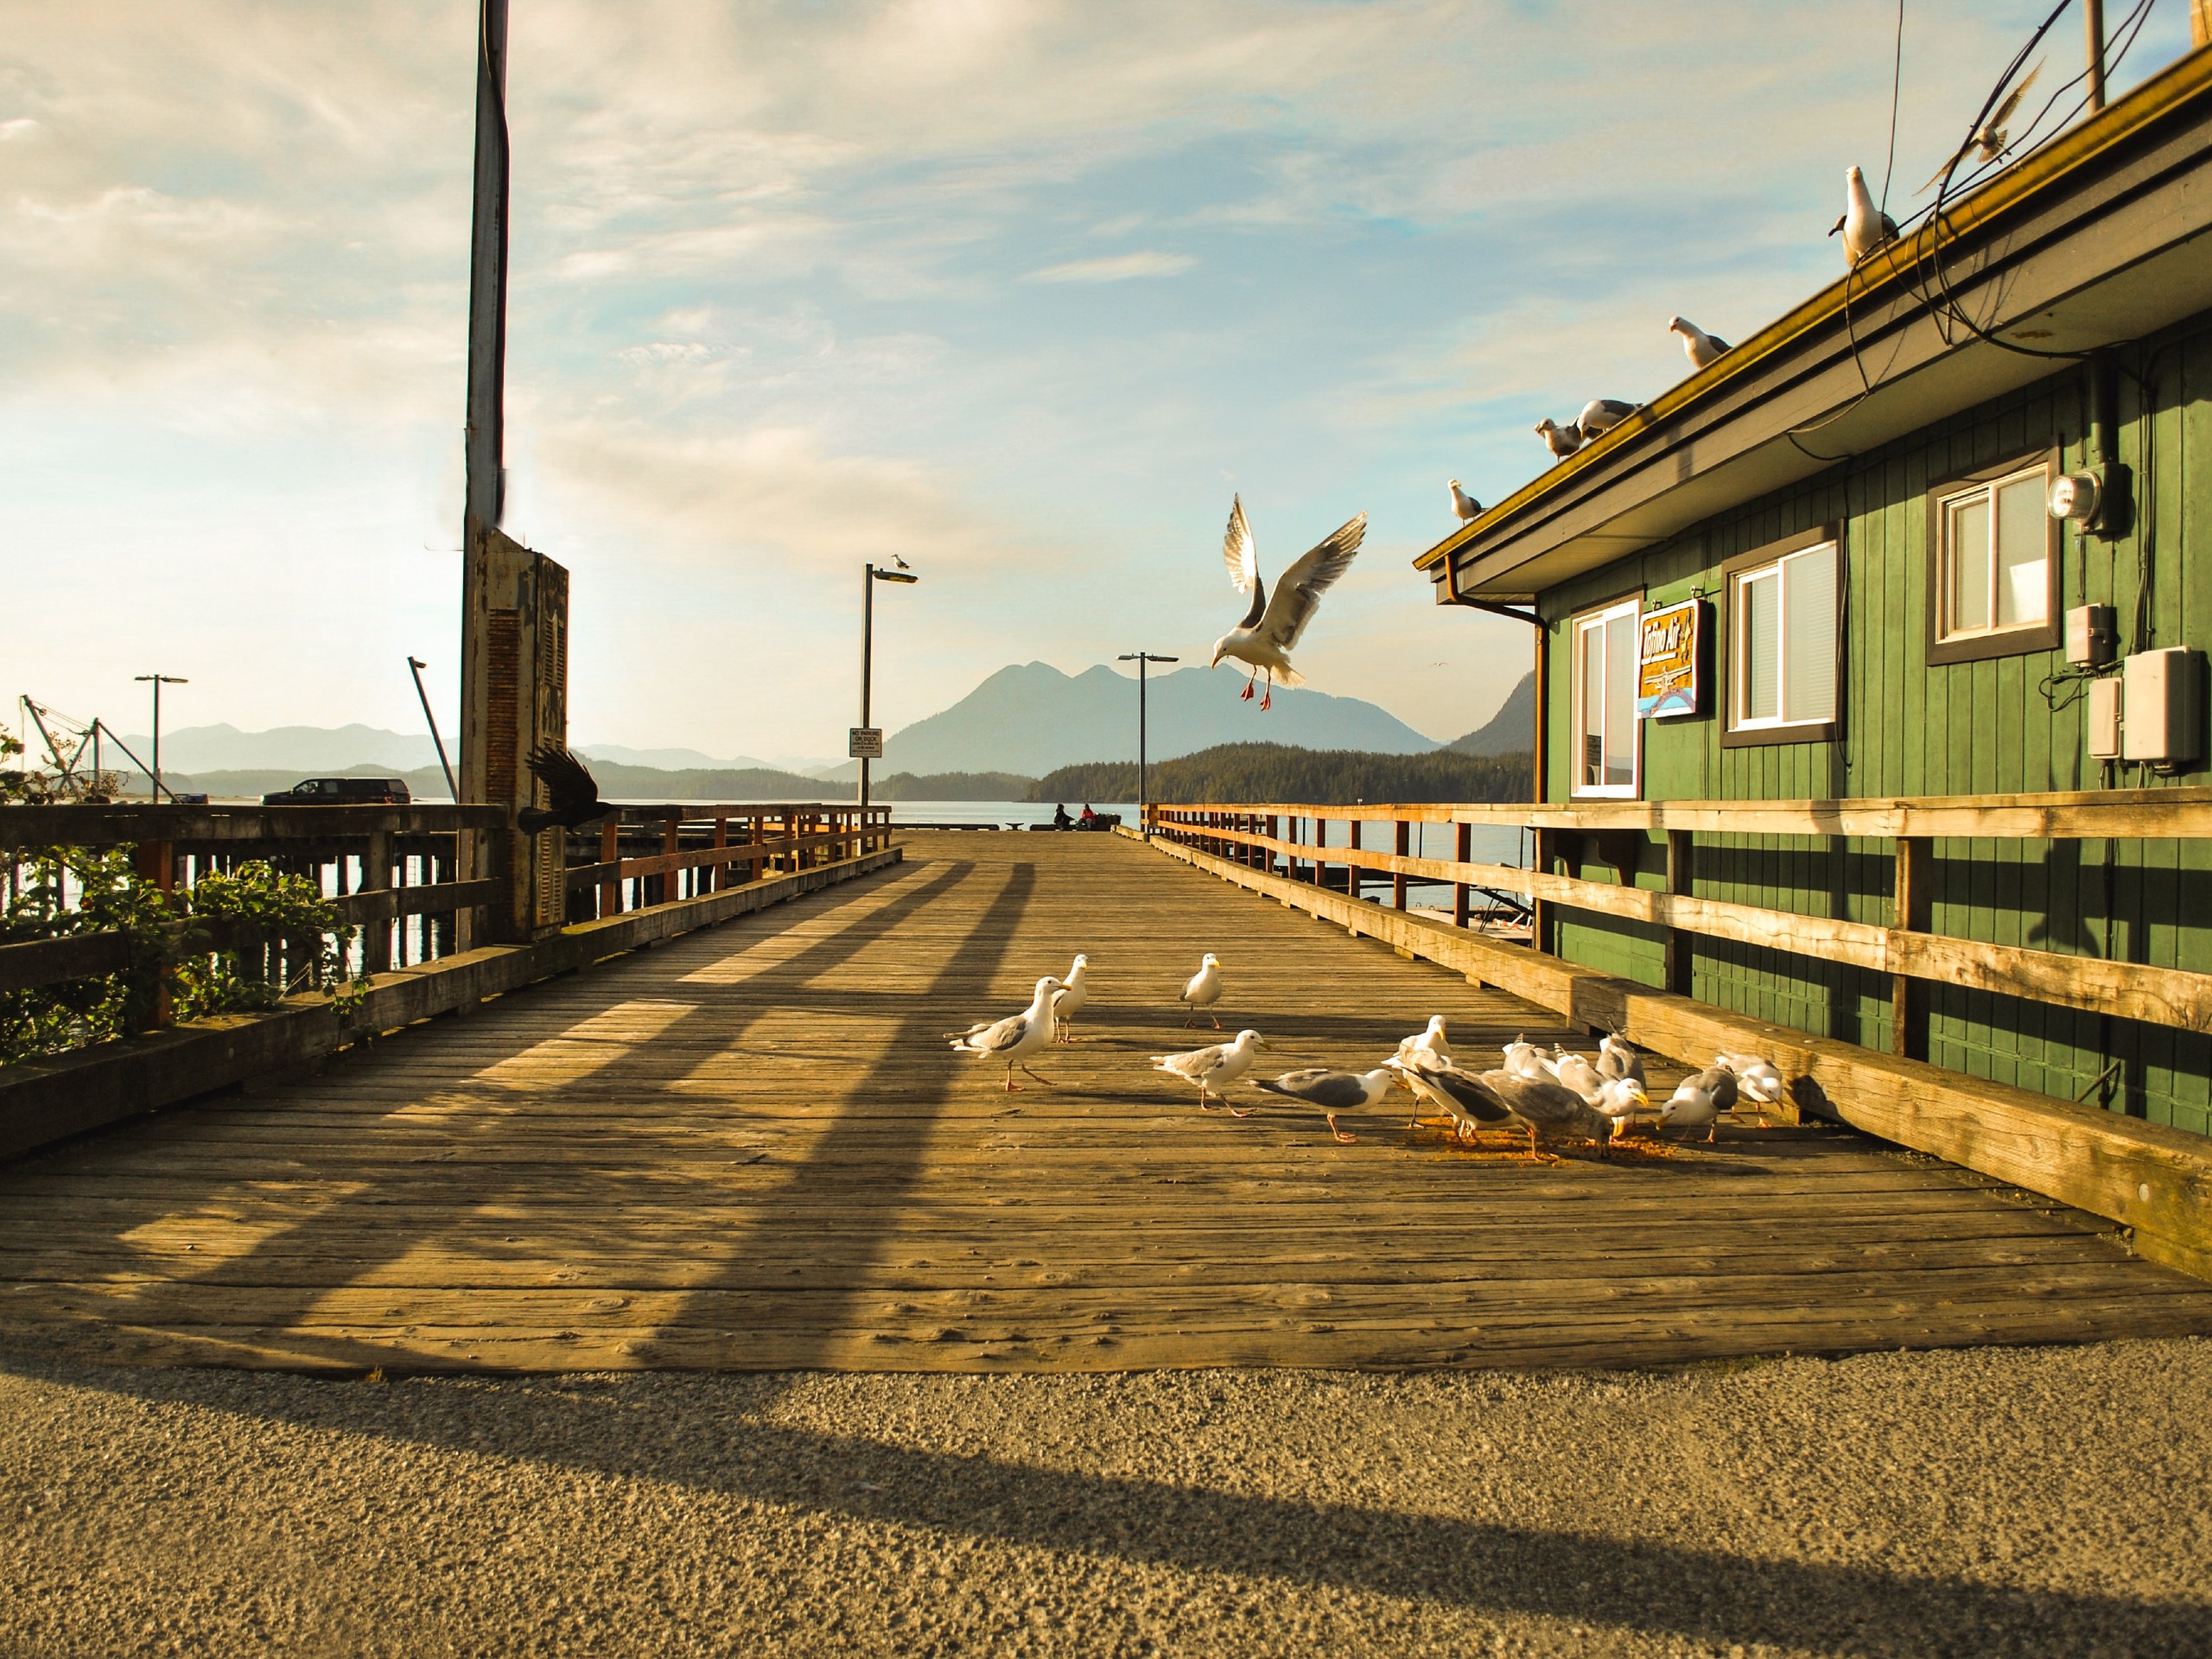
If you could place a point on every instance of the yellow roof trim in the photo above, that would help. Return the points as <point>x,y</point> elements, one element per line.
<point>2017,185</point>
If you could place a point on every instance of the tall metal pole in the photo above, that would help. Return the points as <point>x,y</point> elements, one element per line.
<point>484,446</point>
<point>868,657</point>
<point>2093,20</point>
<point>154,771</point>
<point>415,666</point>
<point>1141,658</point>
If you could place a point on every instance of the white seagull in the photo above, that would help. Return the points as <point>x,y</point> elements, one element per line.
<point>1429,1041</point>
<point>1561,440</point>
<point>1615,1058</point>
<point>1214,1068</point>
<point>1472,1103</point>
<point>1334,1091</point>
<point>1601,415</point>
<point>1014,1037</point>
<point>1522,1060</point>
<point>1202,990</point>
<point>1864,226</point>
<point>1990,137</point>
<point>1263,639</point>
<point>1074,993</point>
<point>1575,1073</point>
<point>1701,348</point>
<point>1547,1109</point>
<point>1464,505</point>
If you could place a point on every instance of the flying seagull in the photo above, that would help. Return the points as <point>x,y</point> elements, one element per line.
<point>573,790</point>
<point>1990,138</point>
<point>1464,505</point>
<point>1561,440</point>
<point>1864,226</point>
<point>1601,415</point>
<point>1014,1038</point>
<point>1265,637</point>
<point>1701,348</point>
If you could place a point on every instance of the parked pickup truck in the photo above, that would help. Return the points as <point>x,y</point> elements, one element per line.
<point>342,792</point>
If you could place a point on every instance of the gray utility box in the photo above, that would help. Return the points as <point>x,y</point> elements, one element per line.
<point>2162,706</point>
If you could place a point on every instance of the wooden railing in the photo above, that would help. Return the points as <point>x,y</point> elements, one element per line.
<point>1616,835</point>
<point>394,872</point>
<point>658,854</point>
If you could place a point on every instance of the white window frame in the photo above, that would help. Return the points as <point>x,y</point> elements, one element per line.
<point>1946,505</point>
<point>1578,629</point>
<point>1739,689</point>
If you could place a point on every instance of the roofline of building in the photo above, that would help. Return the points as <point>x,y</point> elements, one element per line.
<point>2015,192</point>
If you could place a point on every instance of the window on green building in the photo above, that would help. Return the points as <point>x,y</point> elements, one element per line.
<point>1994,546</point>
<point>1604,699</point>
<point>1782,652</point>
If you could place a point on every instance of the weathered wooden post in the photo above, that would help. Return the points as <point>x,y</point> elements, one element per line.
<point>1353,837</point>
<point>1464,852</point>
<point>375,877</point>
<point>671,879</point>
<point>1405,848</point>
<point>155,861</point>
<point>1681,879</point>
<point>1910,911</point>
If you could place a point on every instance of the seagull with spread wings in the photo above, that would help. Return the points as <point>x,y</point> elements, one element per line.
<point>1263,639</point>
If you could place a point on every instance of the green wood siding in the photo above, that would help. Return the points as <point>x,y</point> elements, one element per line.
<point>1909,728</point>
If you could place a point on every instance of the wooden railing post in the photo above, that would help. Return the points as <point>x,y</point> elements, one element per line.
<point>1405,847</point>
<point>718,873</point>
<point>1466,851</point>
<point>610,852</point>
<point>1539,910</point>
<point>1911,909</point>
<point>375,877</point>
<point>1352,871</point>
<point>1274,826</point>
<point>671,882</point>
<point>155,861</point>
<point>1682,878</point>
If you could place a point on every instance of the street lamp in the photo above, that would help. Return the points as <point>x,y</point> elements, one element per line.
<point>866,743</point>
<point>1140,657</point>
<point>415,666</point>
<point>159,681</point>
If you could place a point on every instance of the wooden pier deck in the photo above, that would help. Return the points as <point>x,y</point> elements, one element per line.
<point>752,1149</point>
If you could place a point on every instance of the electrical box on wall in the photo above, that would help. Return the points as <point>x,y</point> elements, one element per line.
<point>2162,704</point>
<point>2104,720</point>
<point>2092,635</point>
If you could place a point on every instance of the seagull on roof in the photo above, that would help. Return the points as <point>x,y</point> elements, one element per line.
<point>1864,226</point>
<point>572,792</point>
<point>1561,440</point>
<point>1263,639</point>
<point>1464,505</point>
<point>1601,415</point>
<point>1990,138</point>
<point>1701,348</point>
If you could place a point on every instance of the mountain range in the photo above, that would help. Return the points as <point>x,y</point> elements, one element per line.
<point>1027,719</point>
<point>1032,718</point>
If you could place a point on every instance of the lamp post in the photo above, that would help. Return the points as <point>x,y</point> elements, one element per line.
<point>415,666</point>
<point>863,736</point>
<point>159,681</point>
<point>1140,657</point>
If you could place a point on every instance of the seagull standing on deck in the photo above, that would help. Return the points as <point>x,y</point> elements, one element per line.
<point>1202,990</point>
<point>1334,1091</point>
<point>1214,1068</point>
<point>1016,1037</point>
<point>1864,226</point>
<point>1074,992</point>
<point>1263,639</point>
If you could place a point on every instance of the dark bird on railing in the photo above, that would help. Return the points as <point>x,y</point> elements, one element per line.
<point>573,790</point>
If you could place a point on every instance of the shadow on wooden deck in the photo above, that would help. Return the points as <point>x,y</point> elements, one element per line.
<point>752,1149</point>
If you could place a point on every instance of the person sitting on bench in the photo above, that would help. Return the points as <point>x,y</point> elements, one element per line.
<point>1060,819</point>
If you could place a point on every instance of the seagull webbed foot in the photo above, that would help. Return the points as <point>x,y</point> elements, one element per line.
<point>1345,1138</point>
<point>1245,1112</point>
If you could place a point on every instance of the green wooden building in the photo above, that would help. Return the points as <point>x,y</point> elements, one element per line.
<point>1829,564</point>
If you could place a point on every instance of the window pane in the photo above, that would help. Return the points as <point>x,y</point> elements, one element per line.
<point>2022,544</point>
<point>1760,693</point>
<point>1969,550</point>
<point>1590,641</point>
<point>1620,700</point>
<point>1809,635</point>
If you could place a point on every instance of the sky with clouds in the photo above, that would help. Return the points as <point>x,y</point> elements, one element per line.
<point>1022,292</point>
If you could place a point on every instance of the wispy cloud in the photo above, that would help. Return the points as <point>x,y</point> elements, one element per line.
<point>1116,268</point>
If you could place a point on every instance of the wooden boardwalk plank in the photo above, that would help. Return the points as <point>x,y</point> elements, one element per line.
<point>752,1148</point>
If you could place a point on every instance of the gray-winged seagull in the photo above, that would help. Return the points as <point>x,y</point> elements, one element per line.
<point>1265,637</point>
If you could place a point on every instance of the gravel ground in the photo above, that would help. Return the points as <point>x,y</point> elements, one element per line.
<point>2053,1501</point>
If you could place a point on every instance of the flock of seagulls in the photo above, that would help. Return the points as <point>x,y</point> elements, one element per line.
<point>1558,1095</point>
<point>1864,229</point>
